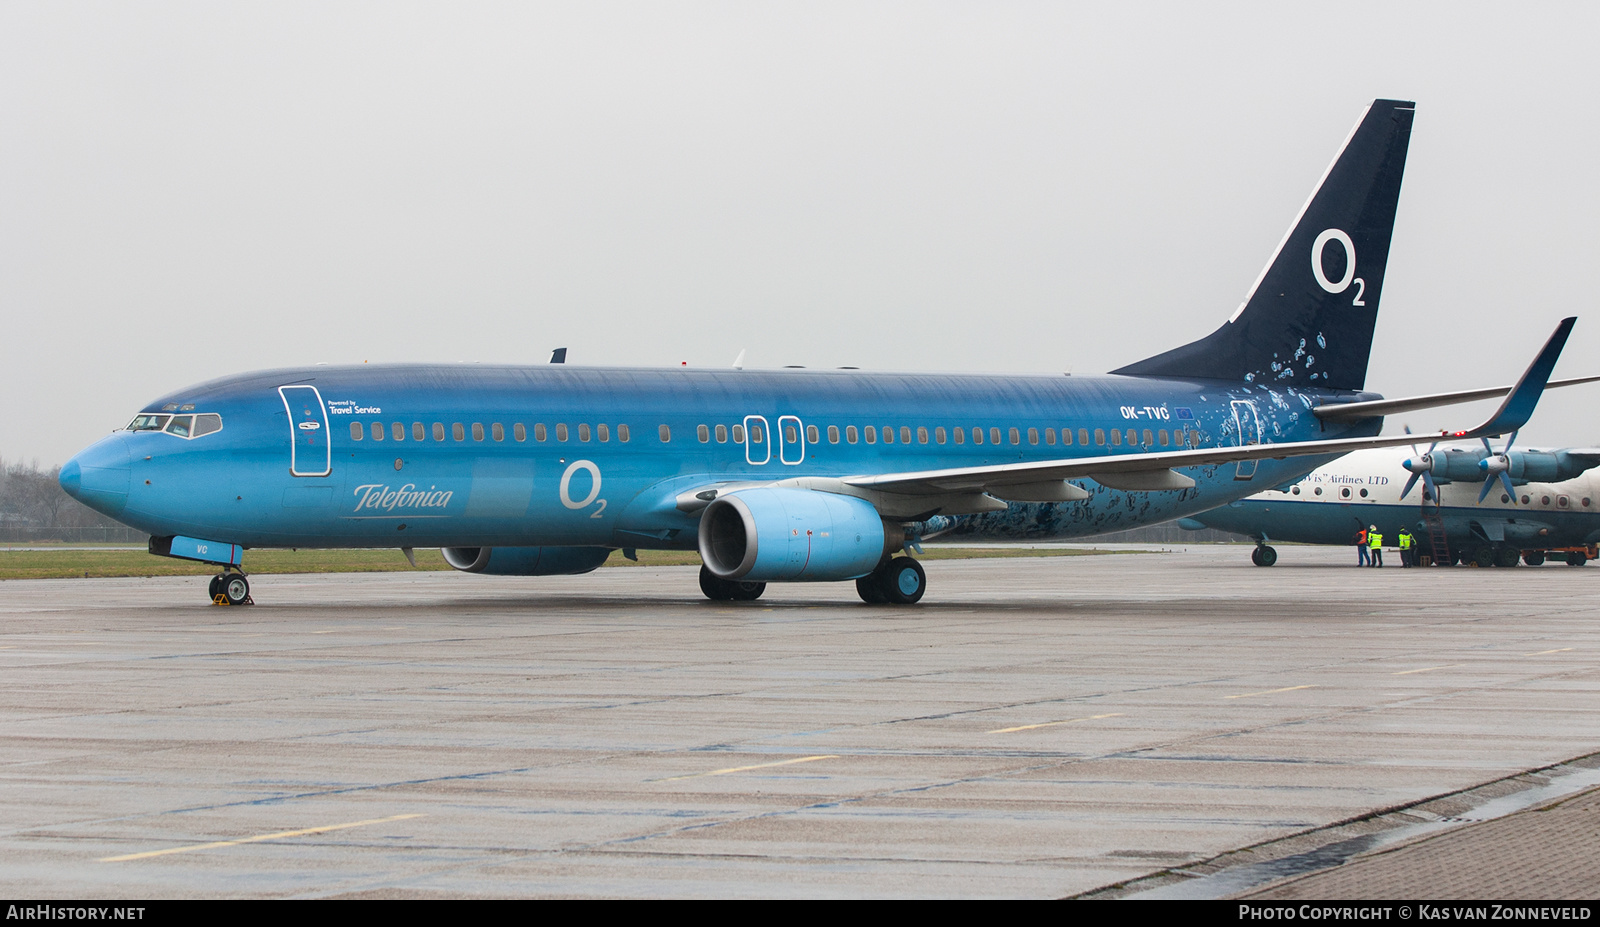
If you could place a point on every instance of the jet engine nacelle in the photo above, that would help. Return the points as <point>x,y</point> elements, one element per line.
<point>774,534</point>
<point>526,561</point>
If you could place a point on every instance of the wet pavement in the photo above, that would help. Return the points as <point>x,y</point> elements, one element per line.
<point>1037,728</point>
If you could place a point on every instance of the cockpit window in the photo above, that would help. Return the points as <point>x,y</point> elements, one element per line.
<point>181,426</point>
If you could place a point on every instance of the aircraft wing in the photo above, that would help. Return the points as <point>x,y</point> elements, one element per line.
<point>1158,470</point>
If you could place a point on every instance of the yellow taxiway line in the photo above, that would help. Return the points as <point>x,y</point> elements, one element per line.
<point>1269,692</point>
<point>1029,727</point>
<point>280,835</point>
<point>735,769</point>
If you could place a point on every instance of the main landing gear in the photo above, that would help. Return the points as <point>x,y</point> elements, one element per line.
<point>718,589</point>
<point>230,588</point>
<point>896,581</point>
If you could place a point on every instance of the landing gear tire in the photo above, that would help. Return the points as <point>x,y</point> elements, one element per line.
<point>1507,557</point>
<point>216,586</point>
<point>1533,557</point>
<point>1263,556</point>
<point>867,588</point>
<point>904,582</point>
<point>1483,557</point>
<point>235,588</point>
<point>718,589</point>
<point>1577,558</point>
<point>900,581</point>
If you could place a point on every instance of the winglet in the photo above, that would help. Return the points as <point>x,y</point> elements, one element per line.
<point>1518,406</point>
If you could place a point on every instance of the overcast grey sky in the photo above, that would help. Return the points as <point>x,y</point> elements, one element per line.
<point>194,189</point>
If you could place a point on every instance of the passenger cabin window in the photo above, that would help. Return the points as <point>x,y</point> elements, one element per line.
<point>418,432</point>
<point>1116,437</point>
<point>357,433</point>
<point>888,435</point>
<point>850,434</point>
<point>1016,436</point>
<point>498,431</point>
<point>1099,437</point>
<point>561,431</point>
<point>811,434</point>
<point>1083,436</point>
<point>703,433</point>
<point>602,432</point>
<point>622,433</point>
<point>977,436</point>
<point>1066,436</point>
<point>477,431</point>
<point>458,432</point>
<point>519,431</point>
<point>960,434</point>
<point>583,432</point>
<point>871,434</point>
<point>1162,435</point>
<point>738,434</point>
<point>398,430</point>
<point>1149,439</point>
<point>790,435</point>
<point>438,431</point>
<point>665,434</point>
<point>939,435</point>
<point>994,436</point>
<point>905,435</point>
<point>377,431</point>
<point>833,434</point>
<point>722,434</point>
<point>755,434</point>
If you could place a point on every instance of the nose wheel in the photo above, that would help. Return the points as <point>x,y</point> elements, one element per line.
<point>230,589</point>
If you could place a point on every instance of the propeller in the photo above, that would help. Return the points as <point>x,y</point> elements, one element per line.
<point>1497,465</point>
<point>1421,466</point>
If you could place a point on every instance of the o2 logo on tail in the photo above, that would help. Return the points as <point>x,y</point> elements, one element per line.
<point>1349,277</point>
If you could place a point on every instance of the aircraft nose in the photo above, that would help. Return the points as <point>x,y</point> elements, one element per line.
<point>99,476</point>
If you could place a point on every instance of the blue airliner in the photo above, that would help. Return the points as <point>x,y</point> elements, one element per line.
<point>788,475</point>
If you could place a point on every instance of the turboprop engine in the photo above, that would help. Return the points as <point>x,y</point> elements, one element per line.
<point>774,534</point>
<point>525,561</point>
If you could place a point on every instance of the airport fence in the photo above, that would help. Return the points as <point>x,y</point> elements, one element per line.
<point>32,534</point>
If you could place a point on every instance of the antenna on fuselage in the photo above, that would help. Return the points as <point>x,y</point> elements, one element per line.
<point>558,356</point>
<point>738,362</point>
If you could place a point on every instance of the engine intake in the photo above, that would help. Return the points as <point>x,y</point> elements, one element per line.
<point>796,535</point>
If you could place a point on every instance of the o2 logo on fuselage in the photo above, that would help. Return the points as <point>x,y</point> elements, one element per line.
<point>1343,283</point>
<point>593,498</point>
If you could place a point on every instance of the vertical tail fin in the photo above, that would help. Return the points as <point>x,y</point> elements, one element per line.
<point>1309,317</point>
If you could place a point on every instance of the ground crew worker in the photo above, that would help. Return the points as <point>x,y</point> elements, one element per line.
<point>1361,548</point>
<point>1375,545</point>
<point>1408,553</point>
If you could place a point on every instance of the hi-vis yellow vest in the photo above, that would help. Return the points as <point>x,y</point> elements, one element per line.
<point>1374,540</point>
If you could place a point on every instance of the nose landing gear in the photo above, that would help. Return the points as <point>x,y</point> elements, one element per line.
<point>230,588</point>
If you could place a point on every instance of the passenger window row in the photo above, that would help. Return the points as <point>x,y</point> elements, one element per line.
<point>396,431</point>
<point>722,434</point>
<point>904,434</point>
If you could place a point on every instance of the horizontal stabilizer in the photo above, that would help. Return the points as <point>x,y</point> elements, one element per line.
<point>1356,411</point>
